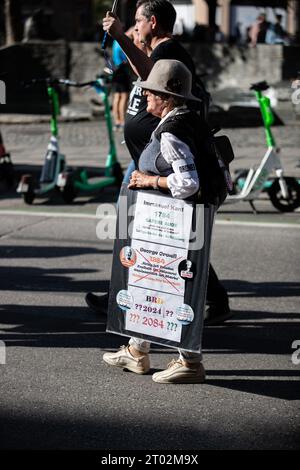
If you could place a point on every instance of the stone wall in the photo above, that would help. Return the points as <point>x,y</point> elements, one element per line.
<point>35,59</point>
<point>86,61</point>
<point>232,66</point>
<point>224,66</point>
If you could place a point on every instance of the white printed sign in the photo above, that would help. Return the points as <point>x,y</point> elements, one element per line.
<point>162,220</point>
<point>156,267</point>
<point>154,313</point>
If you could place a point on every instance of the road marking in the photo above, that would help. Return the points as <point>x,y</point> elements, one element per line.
<point>258,224</point>
<point>53,214</point>
<point>113,217</point>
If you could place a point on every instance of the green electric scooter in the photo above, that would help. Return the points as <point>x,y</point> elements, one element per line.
<point>81,180</point>
<point>54,162</point>
<point>55,175</point>
<point>284,191</point>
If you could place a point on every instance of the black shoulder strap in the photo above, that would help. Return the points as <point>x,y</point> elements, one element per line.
<point>185,126</point>
<point>170,125</point>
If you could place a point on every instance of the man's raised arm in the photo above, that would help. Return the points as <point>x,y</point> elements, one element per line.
<point>139,61</point>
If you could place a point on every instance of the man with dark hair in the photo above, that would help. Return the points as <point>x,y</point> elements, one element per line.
<point>155,20</point>
<point>139,124</point>
<point>164,11</point>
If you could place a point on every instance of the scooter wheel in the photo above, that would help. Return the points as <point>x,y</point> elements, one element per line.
<point>239,181</point>
<point>69,193</point>
<point>277,199</point>
<point>29,197</point>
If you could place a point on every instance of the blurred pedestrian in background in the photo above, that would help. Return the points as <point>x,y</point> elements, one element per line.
<point>121,85</point>
<point>276,34</point>
<point>258,30</point>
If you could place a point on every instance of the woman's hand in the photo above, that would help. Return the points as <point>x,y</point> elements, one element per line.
<point>140,180</point>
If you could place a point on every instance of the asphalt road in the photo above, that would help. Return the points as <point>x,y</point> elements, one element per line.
<point>55,391</point>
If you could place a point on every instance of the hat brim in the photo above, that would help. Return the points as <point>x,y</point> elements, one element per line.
<point>152,87</point>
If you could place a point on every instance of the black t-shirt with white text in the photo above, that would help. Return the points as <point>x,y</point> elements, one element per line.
<point>139,124</point>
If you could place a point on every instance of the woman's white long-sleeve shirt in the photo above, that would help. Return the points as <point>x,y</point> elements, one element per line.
<point>184,182</point>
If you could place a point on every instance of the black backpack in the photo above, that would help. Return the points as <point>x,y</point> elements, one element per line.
<point>213,154</point>
<point>199,90</point>
<point>222,148</point>
<point>218,146</point>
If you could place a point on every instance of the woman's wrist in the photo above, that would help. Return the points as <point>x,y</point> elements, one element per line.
<point>155,182</point>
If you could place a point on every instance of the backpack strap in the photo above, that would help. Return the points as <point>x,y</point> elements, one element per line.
<point>182,128</point>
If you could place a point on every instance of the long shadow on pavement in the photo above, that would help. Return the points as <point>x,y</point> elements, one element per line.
<point>240,288</point>
<point>77,327</point>
<point>43,431</point>
<point>48,280</point>
<point>13,252</point>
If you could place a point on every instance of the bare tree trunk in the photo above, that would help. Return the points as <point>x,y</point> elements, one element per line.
<point>297,23</point>
<point>212,8</point>
<point>212,5</point>
<point>13,24</point>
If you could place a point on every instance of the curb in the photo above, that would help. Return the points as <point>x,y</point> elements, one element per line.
<point>41,118</point>
<point>67,115</point>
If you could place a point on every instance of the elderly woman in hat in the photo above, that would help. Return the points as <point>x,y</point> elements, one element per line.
<point>167,88</point>
<point>167,163</point>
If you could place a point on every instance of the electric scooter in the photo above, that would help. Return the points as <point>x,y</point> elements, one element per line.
<point>71,182</point>
<point>55,162</point>
<point>284,192</point>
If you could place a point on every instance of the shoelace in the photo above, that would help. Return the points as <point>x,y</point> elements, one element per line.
<point>180,362</point>
<point>173,362</point>
<point>123,347</point>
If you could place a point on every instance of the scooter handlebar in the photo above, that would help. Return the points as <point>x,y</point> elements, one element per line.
<point>260,86</point>
<point>67,82</point>
<point>83,84</point>
<point>56,81</point>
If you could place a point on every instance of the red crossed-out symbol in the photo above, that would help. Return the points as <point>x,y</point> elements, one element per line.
<point>168,264</point>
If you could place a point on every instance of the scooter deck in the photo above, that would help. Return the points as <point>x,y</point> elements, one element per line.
<point>95,183</point>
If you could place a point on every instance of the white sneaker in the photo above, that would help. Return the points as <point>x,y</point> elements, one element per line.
<point>124,359</point>
<point>177,372</point>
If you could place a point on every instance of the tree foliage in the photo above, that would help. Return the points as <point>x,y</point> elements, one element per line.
<point>13,23</point>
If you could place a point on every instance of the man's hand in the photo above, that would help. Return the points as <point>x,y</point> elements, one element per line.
<point>138,59</point>
<point>112,25</point>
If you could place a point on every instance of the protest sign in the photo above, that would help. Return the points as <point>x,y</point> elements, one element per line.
<point>160,271</point>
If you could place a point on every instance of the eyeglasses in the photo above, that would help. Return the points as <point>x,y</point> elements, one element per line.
<point>162,96</point>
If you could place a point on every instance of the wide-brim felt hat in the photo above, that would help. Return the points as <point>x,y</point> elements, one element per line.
<point>170,77</point>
